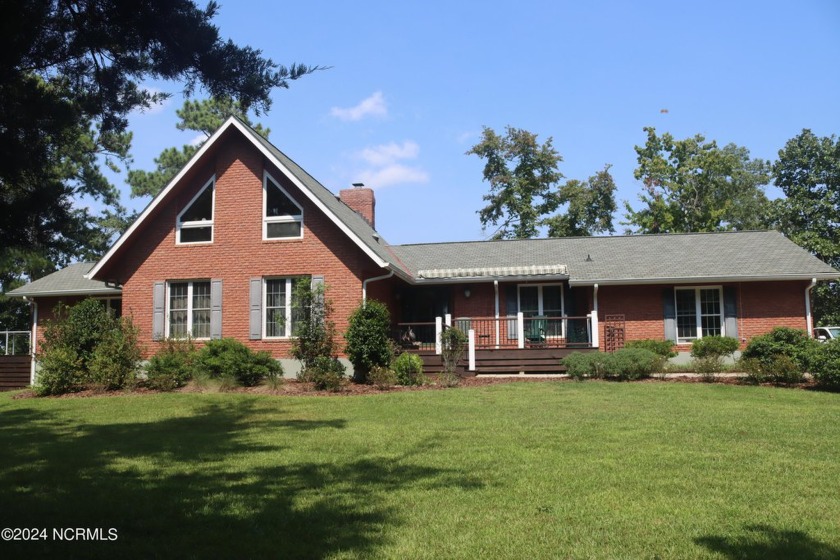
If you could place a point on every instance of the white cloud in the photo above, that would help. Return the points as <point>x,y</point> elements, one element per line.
<point>154,108</point>
<point>385,154</point>
<point>385,168</point>
<point>372,106</point>
<point>393,174</point>
<point>198,140</point>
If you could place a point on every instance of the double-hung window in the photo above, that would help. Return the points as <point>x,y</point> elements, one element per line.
<point>189,309</point>
<point>195,222</point>
<point>699,313</point>
<point>281,311</point>
<point>282,216</point>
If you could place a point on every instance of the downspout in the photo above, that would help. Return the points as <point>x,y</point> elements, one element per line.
<point>33,342</point>
<point>374,279</point>
<point>809,322</point>
<point>595,298</point>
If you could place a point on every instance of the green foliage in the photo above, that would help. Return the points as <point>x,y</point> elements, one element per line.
<point>453,344</point>
<point>409,369</point>
<point>808,172</point>
<point>825,365</point>
<point>522,174</point>
<point>173,366</point>
<point>714,347</point>
<point>368,338</point>
<point>382,377</point>
<point>314,329</point>
<point>327,374</point>
<point>664,348</point>
<point>203,116</point>
<point>229,359</point>
<point>782,341</point>
<point>777,369</point>
<point>591,205</point>
<point>692,185</point>
<point>625,364</point>
<point>84,346</point>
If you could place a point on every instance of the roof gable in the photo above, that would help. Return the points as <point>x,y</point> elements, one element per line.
<point>350,223</point>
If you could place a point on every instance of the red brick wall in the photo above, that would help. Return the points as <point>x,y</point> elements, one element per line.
<point>238,252</point>
<point>761,306</point>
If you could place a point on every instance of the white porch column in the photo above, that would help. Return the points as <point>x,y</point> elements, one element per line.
<point>596,342</point>
<point>438,332</point>
<point>520,329</point>
<point>471,349</point>
<point>448,319</point>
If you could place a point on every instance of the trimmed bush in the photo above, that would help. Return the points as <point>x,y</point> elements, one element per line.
<point>714,347</point>
<point>625,364</point>
<point>113,362</point>
<point>825,365</point>
<point>327,374</point>
<point>382,377</point>
<point>227,358</point>
<point>368,338</point>
<point>783,341</point>
<point>664,348</point>
<point>60,372</point>
<point>408,368</point>
<point>173,366</point>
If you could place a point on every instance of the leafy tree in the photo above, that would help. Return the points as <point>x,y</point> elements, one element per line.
<point>693,185</point>
<point>203,116</point>
<point>522,174</point>
<point>808,172</point>
<point>591,205</point>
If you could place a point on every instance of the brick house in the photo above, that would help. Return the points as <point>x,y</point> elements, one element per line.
<point>215,254</point>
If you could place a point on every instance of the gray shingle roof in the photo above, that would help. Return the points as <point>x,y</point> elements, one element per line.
<point>66,282</point>
<point>755,255</point>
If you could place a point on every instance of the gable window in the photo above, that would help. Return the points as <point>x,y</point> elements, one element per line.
<point>189,309</point>
<point>543,300</point>
<point>699,313</point>
<point>195,222</point>
<point>282,216</point>
<point>281,311</point>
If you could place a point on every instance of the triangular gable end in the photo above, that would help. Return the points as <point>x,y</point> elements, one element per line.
<point>247,133</point>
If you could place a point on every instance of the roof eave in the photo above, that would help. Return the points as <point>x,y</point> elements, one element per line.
<point>59,293</point>
<point>705,279</point>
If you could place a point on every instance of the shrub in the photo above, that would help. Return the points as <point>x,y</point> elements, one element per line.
<point>453,344</point>
<point>227,358</point>
<point>826,365</point>
<point>327,374</point>
<point>382,377</point>
<point>314,331</point>
<point>626,364</point>
<point>368,338</point>
<point>85,346</point>
<point>783,341</point>
<point>173,366</point>
<point>714,347</point>
<point>408,368</point>
<point>664,348</point>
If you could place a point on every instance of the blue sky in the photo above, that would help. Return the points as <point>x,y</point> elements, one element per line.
<point>412,84</point>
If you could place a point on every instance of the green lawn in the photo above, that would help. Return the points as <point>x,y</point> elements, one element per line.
<point>521,470</point>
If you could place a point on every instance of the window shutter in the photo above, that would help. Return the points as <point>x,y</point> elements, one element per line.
<point>318,300</point>
<point>569,306</point>
<point>158,310</point>
<point>511,308</point>
<point>215,309</point>
<point>256,309</point>
<point>669,307</point>
<point>730,311</point>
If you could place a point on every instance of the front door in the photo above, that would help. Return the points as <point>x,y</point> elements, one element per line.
<point>543,300</point>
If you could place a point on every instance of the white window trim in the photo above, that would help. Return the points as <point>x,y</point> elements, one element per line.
<point>278,219</point>
<point>698,315</point>
<point>540,305</point>
<point>179,225</point>
<point>189,284</point>
<point>109,300</point>
<point>290,284</point>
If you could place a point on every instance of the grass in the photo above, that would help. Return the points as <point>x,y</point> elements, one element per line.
<point>530,470</point>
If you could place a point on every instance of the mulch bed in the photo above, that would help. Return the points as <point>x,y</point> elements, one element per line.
<point>292,388</point>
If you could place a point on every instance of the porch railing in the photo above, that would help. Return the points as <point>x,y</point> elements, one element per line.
<point>508,332</point>
<point>14,343</point>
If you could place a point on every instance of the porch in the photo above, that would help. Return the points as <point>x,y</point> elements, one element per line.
<point>513,344</point>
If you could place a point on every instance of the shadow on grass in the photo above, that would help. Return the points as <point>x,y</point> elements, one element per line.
<point>762,542</point>
<point>203,485</point>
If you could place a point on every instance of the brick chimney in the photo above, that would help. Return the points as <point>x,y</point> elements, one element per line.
<point>361,199</point>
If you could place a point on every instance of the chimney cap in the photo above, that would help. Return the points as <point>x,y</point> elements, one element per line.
<point>358,185</point>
